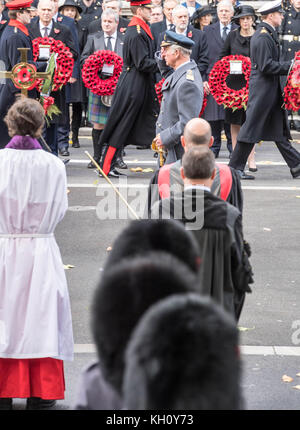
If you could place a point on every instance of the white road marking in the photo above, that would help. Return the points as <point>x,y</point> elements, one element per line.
<point>287,351</point>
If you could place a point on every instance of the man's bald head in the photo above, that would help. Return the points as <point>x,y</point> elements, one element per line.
<point>197,132</point>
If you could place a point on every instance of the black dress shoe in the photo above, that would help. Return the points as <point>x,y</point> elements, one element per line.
<point>64,153</point>
<point>295,171</point>
<point>244,175</point>
<point>34,403</point>
<point>253,169</point>
<point>142,147</point>
<point>5,404</point>
<point>120,164</point>
<point>75,143</point>
<point>91,165</point>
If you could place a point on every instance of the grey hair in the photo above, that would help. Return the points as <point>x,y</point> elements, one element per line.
<point>108,1</point>
<point>178,8</point>
<point>184,51</point>
<point>111,12</point>
<point>225,3</point>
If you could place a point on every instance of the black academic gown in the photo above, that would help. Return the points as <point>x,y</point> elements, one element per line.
<point>225,271</point>
<point>135,107</point>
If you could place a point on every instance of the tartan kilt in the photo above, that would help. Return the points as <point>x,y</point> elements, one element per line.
<point>97,111</point>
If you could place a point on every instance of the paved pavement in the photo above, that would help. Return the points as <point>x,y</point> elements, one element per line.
<point>271,316</point>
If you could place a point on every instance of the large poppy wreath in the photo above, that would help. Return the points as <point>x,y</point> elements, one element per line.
<point>224,95</point>
<point>158,90</point>
<point>64,61</point>
<point>90,72</point>
<point>292,88</point>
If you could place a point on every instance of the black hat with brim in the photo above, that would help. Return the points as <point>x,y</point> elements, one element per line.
<point>242,11</point>
<point>70,3</point>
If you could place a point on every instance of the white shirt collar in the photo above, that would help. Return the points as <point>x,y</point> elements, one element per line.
<point>113,36</point>
<point>201,187</point>
<point>222,26</point>
<point>42,27</point>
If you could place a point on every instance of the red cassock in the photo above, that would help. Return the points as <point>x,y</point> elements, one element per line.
<point>34,377</point>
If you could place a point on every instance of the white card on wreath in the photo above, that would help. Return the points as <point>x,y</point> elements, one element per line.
<point>236,67</point>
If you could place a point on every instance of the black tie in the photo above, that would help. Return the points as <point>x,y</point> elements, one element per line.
<point>108,44</point>
<point>224,34</point>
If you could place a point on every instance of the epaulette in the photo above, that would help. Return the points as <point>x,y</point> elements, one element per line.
<point>190,75</point>
<point>263,30</point>
<point>138,28</point>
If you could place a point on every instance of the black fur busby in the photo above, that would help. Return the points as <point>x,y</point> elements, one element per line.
<point>156,235</point>
<point>183,355</point>
<point>125,292</point>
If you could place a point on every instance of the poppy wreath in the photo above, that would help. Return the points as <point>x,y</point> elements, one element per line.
<point>158,87</point>
<point>93,64</point>
<point>224,95</point>
<point>292,88</point>
<point>64,61</point>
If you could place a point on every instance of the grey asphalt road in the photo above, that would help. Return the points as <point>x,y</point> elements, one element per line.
<point>271,315</point>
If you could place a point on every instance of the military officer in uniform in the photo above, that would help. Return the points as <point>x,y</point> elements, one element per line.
<point>14,36</point>
<point>182,94</point>
<point>265,117</point>
<point>91,10</point>
<point>290,44</point>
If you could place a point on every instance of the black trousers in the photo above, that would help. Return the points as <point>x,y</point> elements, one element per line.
<point>216,130</point>
<point>242,150</point>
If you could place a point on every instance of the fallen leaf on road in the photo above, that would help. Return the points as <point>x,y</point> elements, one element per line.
<point>148,170</point>
<point>287,378</point>
<point>267,229</point>
<point>68,191</point>
<point>245,328</point>
<point>68,266</point>
<point>298,197</point>
<point>109,248</point>
<point>136,169</point>
<point>298,374</point>
<point>297,387</point>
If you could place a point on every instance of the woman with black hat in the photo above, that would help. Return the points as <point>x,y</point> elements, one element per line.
<point>202,17</point>
<point>238,43</point>
<point>75,91</point>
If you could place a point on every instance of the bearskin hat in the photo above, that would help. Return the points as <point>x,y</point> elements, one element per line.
<point>183,355</point>
<point>125,292</point>
<point>156,235</point>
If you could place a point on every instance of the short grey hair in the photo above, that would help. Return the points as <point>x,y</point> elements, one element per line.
<point>179,8</point>
<point>184,51</point>
<point>111,12</point>
<point>225,3</point>
<point>108,1</point>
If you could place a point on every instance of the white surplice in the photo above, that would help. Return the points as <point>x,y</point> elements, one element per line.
<point>35,312</point>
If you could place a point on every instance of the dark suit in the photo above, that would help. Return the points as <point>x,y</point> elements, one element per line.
<point>156,29</point>
<point>95,26</point>
<point>64,34</point>
<point>215,113</point>
<point>95,42</point>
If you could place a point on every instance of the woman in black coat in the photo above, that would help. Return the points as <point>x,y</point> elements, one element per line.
<point>238,43</point>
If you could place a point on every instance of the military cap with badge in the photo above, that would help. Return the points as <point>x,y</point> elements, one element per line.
<point>172,38</point>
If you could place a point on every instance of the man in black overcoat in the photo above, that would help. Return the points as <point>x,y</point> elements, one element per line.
<point>266,119</point>
<point>166,24</point>
<point>58,32</point>
<point>115,5</point>
<point>134,108</point>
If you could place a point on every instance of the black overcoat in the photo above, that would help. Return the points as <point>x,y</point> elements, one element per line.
<point>265,117</point>
<point>134,108</point>
<point>12,39</point>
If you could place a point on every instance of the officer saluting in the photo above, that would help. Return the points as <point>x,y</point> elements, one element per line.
<point>265,118</point>
<point>290,42</point>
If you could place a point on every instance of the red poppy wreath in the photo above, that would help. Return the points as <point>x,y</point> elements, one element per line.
<point>224,95</point>
<point>93,64</point>
<point>64,61</point>
<point>292,88</point>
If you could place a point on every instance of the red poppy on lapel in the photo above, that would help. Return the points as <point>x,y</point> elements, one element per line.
<point>190,34</point>
<point>56,30</point>
<point>59,18</point>
<point>122,29</point>
<point>3,21</point>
